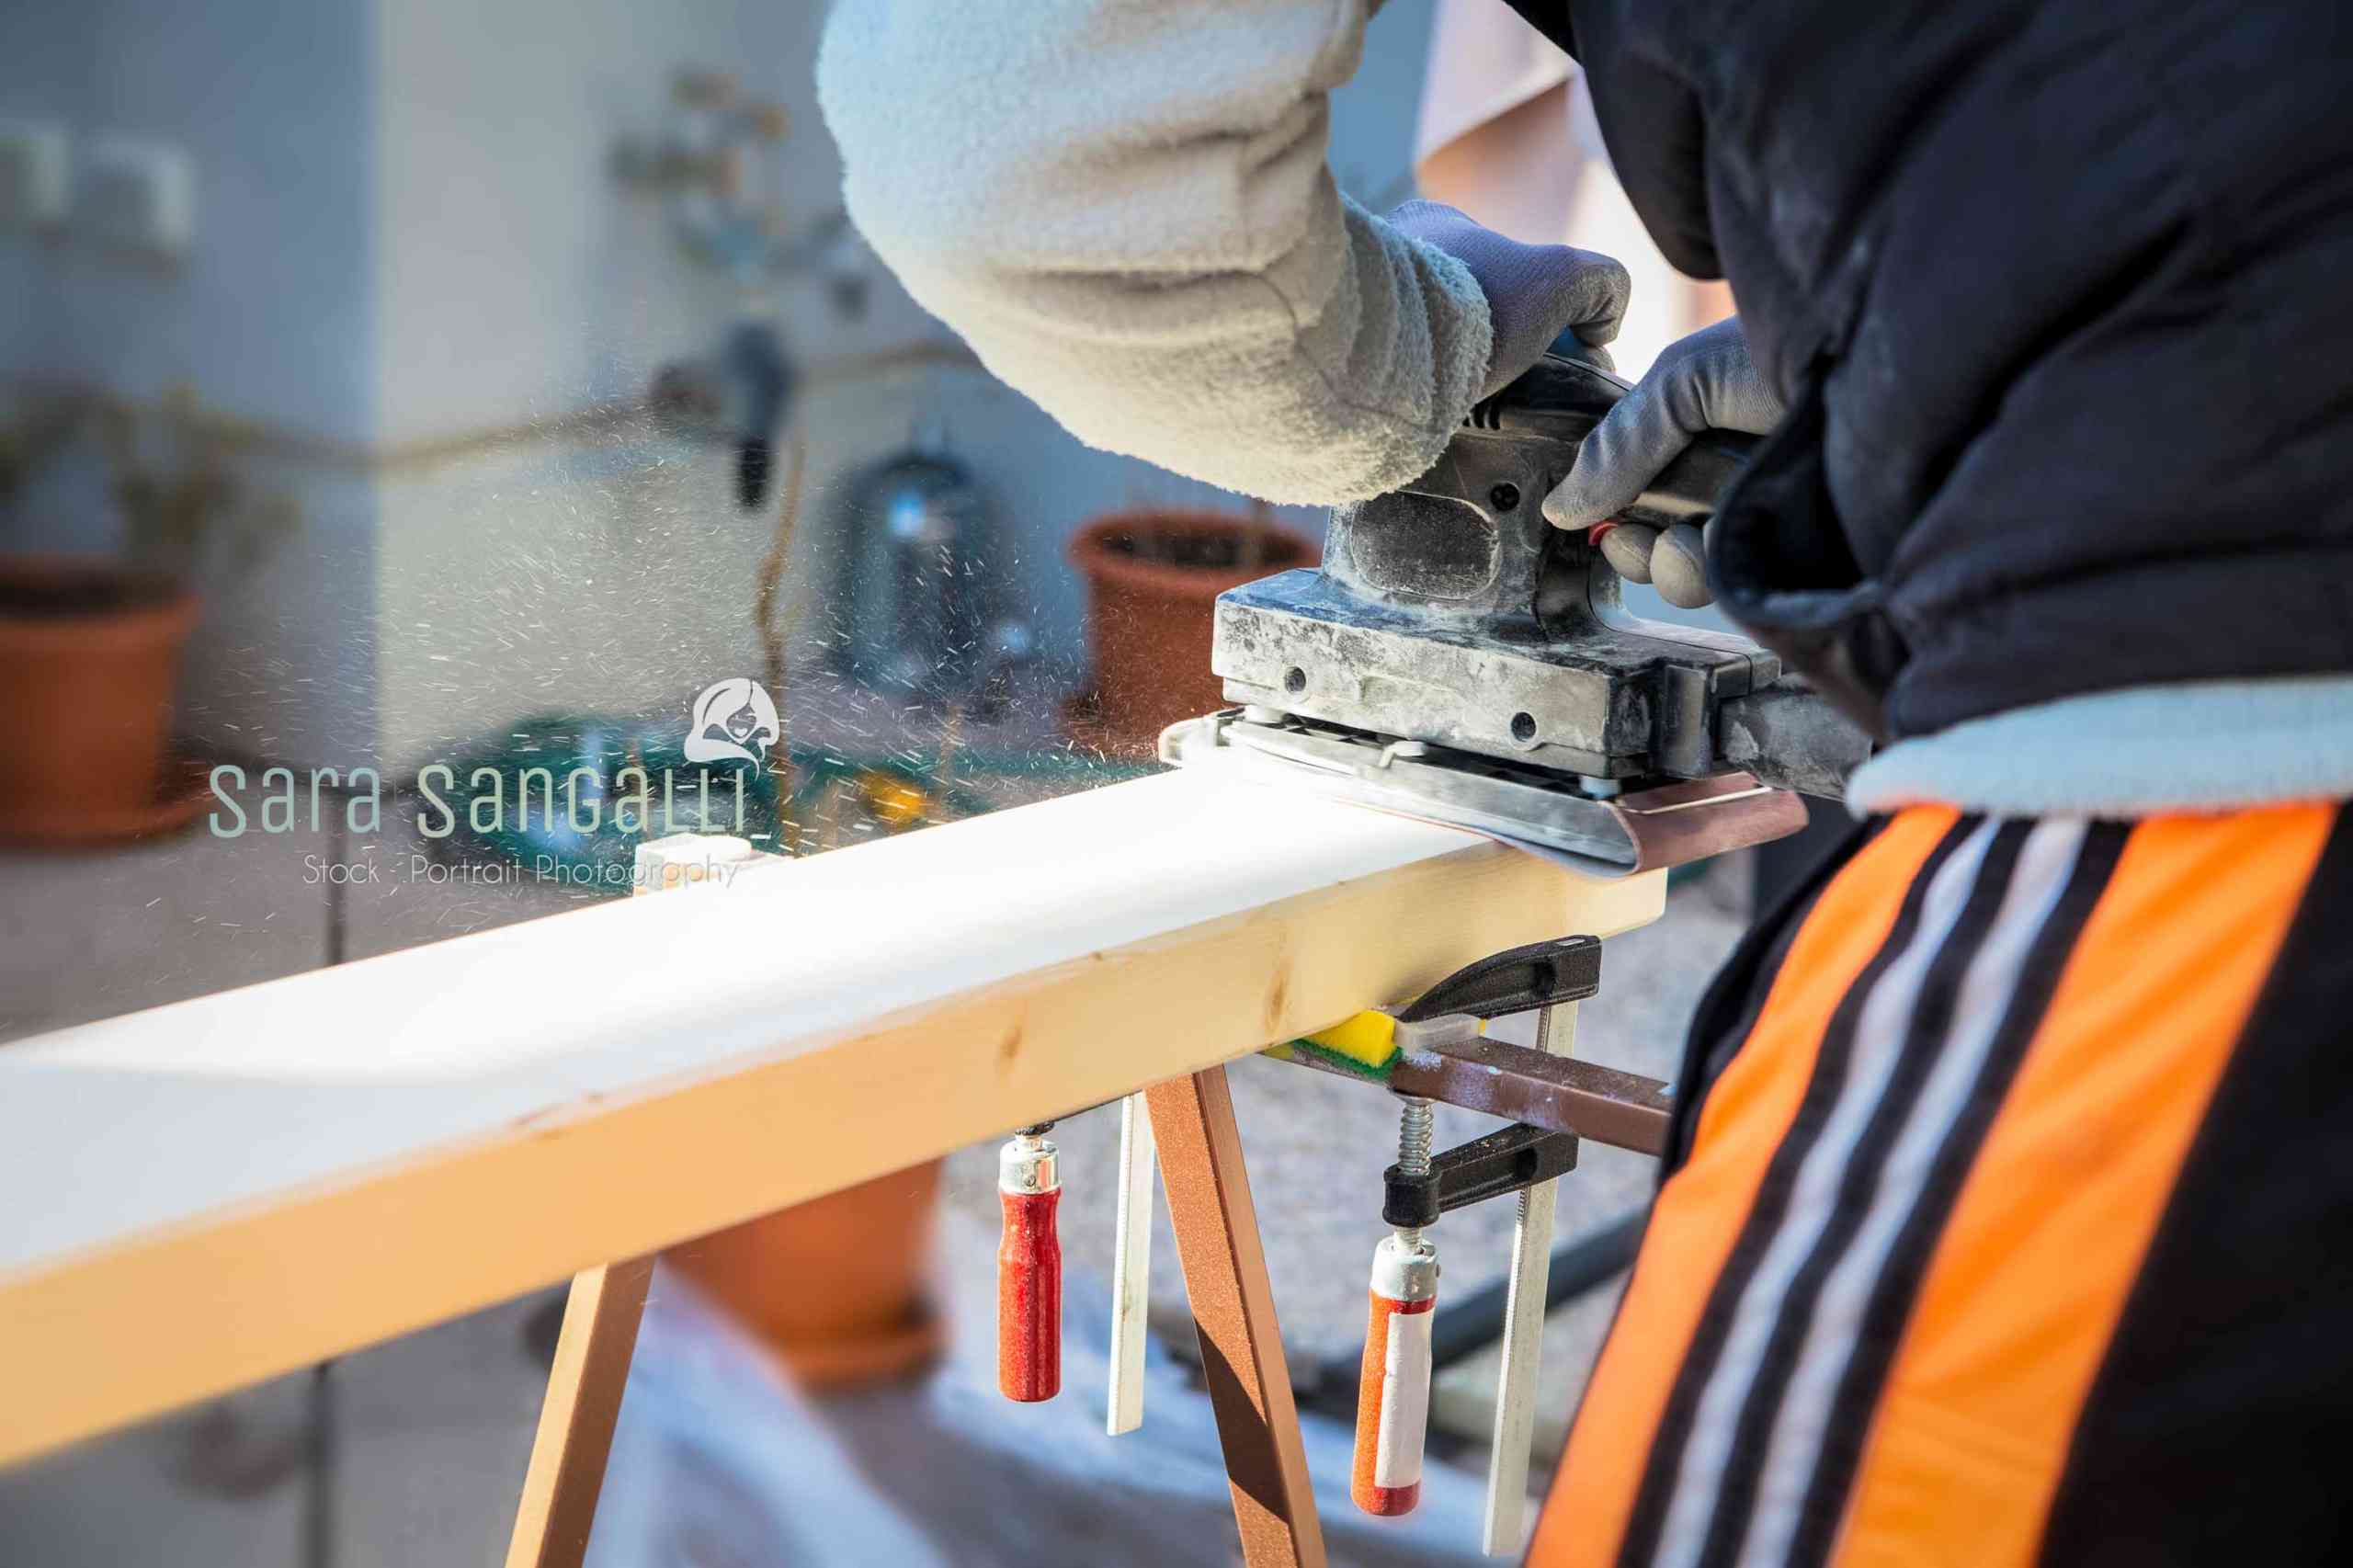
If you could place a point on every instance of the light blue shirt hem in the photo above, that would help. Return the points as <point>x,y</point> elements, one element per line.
<point>2144,751</point>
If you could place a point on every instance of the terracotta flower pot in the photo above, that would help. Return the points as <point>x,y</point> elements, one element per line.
<point>89,660</point>
<point>1151,578</point>
<point>834,1286</point>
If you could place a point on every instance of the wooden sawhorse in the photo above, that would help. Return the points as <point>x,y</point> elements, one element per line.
<point>1234,1310</point>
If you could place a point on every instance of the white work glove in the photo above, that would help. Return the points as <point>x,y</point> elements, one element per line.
<point>1704,382</point>
<point>1534,292</point>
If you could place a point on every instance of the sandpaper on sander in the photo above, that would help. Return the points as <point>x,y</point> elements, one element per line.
<point>1459,659</point>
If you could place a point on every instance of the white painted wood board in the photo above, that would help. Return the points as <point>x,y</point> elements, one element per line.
<point>203,1194</point>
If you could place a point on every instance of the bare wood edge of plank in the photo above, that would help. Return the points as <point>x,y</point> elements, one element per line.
<point>583,1400</point>
<point>263,1287</point>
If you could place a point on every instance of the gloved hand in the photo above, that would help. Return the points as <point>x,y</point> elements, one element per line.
<point>1704,382</point>
<point>1534,292</point>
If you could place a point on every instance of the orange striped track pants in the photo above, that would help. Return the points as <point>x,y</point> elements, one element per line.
<point>2008,1219</point>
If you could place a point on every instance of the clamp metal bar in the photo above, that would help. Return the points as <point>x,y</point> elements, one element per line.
<point>1559,1094</point>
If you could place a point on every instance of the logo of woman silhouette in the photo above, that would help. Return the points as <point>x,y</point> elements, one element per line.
<point>734,722</point>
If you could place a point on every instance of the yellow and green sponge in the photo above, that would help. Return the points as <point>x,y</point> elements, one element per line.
<point>1365,1045</point>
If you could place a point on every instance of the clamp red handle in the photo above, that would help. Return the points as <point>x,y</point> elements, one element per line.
<point>1393,1387</point>
<point>1029,1272</point>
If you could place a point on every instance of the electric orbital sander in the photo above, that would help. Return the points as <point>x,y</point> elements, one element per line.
<point>1458,658</point>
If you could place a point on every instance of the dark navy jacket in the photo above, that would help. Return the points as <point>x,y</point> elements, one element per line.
<point>2060,296</point>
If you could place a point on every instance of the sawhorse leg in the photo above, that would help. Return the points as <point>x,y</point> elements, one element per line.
<point>1242,1350</point>
<point>1225,1278</point>
<point>601,1317</point>
<point>584,1402</point>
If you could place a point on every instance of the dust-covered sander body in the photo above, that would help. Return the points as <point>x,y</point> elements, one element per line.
<point>1458,657</point>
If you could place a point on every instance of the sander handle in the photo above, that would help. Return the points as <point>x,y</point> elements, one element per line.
<point>1564,396</point>
<point>1687,489</point>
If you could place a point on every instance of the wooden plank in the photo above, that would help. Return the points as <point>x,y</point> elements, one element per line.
<point>317,1164</point>
<point>584,1404</point>
<point>1233,1311</point>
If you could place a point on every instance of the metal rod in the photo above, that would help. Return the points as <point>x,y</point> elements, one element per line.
<point>1415,1129</point>
<point>1132,1269</point>
<point>1503,1519</point>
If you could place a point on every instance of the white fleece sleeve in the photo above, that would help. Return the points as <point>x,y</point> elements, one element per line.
<point>1124,208</point>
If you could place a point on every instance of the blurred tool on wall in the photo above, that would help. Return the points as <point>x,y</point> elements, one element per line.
<point>921,604</point>
<point>717,152</point>
<point>740,395</point>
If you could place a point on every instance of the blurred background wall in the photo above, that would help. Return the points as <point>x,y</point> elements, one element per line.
<point>412,282</point>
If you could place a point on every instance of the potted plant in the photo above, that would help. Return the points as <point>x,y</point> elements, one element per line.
<point>90,644</point>
<point>1153,578</point>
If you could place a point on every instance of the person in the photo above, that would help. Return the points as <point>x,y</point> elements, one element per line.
<point>2010,1214</point>
<point>1505,132</point>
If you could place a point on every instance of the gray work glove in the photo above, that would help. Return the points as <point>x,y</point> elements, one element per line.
<point>1704,382</point>
<point>1534,292</point>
